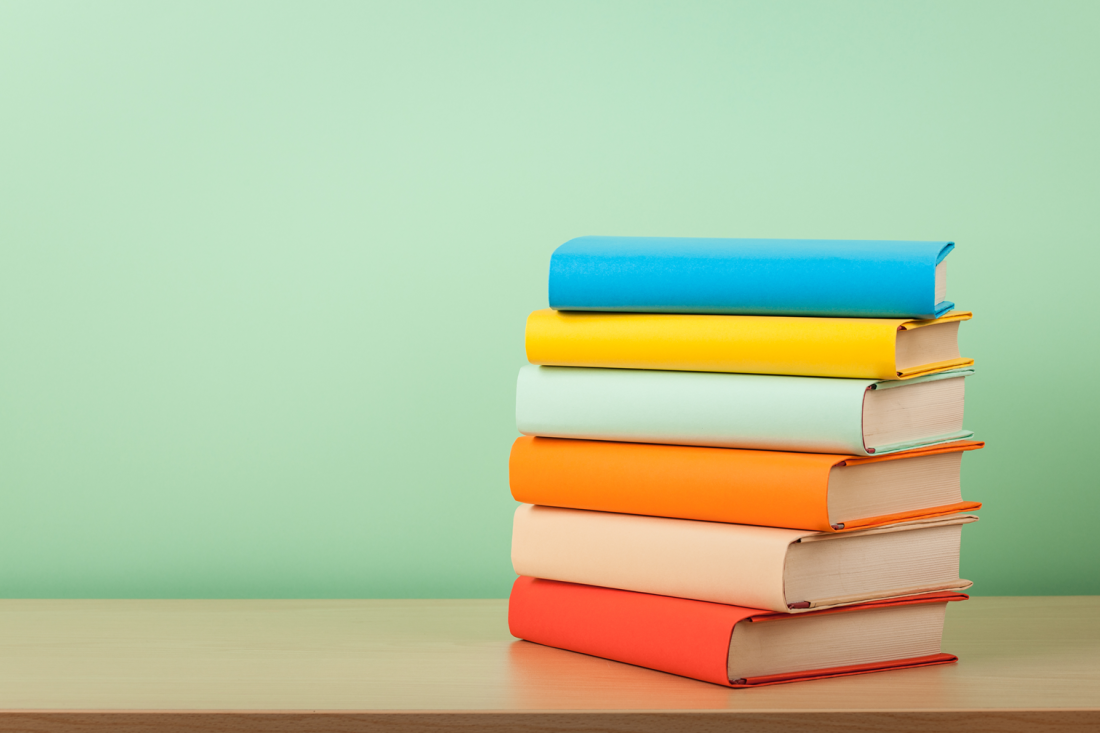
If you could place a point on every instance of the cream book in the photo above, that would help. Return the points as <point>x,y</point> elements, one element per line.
<point>783,570</point>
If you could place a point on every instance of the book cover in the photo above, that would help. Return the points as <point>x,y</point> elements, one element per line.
<point>674,635</point>
<point>768,488</point>
<point>861,279</point>
<point>755,411</point>
<point>782,570</point>
<point>863,348</point>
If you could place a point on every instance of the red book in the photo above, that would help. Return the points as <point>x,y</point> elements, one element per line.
<point>730,645</point>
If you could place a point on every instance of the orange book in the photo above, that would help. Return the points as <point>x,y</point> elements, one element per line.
<point>814,491</point>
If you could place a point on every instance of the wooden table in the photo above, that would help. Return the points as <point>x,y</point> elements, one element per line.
<point>1027,664</point>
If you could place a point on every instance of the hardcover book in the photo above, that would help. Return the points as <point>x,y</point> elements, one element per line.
<point>814,491</point>
<point>858,417</point>
<point>730,645</point>
<point>767,277</point>
<point>864,348</point>
<point>782,570</point>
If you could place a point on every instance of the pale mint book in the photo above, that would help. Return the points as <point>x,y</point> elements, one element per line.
<point>763,412</point>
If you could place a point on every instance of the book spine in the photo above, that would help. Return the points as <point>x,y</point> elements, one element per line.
<point>735,564</point>
<point>672,635</point>
<point>859,348</point>
<point>768,488</point>
<point>693,408</point>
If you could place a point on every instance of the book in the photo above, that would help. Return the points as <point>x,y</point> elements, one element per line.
<point>766,277</point>
<point>814,491</point>
<point>814,414</point>
<point>783,570</point>
<point>729,645</point>
<point>864,348</point>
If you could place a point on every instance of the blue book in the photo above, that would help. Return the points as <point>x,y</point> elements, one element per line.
<point>791,277</point>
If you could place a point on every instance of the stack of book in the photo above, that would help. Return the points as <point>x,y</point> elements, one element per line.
<point>740,458</point>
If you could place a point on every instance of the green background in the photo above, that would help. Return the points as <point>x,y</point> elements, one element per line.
<point>264,267</point>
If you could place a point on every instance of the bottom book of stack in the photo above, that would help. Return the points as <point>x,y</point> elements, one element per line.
<point>730,645</point>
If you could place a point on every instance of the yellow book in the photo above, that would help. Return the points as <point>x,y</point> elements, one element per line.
<point>859,348</point>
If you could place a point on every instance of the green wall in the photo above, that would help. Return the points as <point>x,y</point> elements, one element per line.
<point>264,267</point>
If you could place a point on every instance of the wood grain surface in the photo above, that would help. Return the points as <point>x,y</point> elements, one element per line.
<point>394,665</point>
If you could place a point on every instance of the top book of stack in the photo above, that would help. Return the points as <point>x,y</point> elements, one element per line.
<point>767,277</point>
